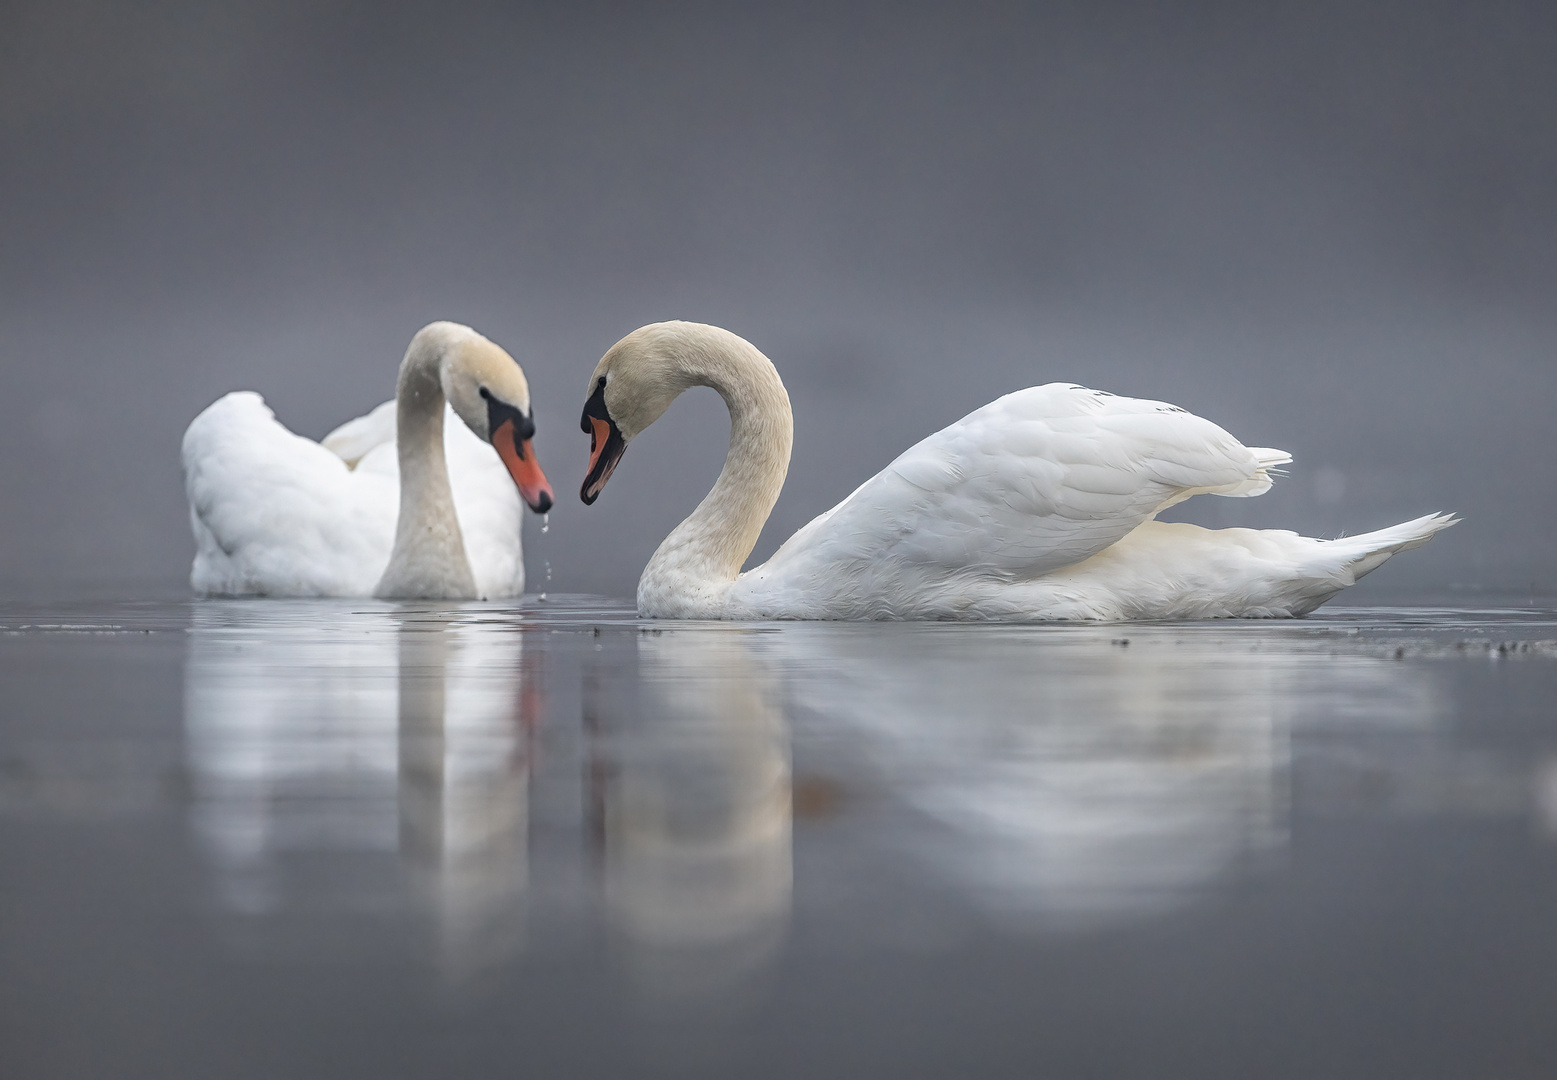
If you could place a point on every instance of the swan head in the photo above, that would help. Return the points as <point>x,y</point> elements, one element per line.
<point>634,384</point>
<point>489,392</point>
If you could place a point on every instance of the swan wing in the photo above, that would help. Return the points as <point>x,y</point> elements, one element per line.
<point>1034,481</point>
<point>277,514</point>
<point>355,439</point>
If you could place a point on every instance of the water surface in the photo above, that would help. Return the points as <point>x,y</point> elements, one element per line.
<point>332,839</point>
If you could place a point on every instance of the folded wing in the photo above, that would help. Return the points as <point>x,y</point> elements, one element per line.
<point>1034,481</point>
<point>277,514</point>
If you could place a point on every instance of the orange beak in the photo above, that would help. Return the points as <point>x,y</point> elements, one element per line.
<point>519,456</point>
<point>606,444</point>
<point>605,450</point>
<point>598,439</point>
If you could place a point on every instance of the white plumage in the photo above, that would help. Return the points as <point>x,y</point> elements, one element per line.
<point>276,514</point>
<point>1036,506</point>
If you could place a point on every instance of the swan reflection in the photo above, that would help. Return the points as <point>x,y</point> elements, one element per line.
<point>691,804</point>
<point>374,769</point>
<point>336,753</point>
<point>1096,779</point>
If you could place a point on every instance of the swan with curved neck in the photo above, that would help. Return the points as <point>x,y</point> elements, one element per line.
<point>1038,506</point>
<point>488,391</point>
<point>633,386</point>
<point>371,510</point>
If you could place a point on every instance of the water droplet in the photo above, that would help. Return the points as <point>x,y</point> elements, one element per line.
<point>546,522</point>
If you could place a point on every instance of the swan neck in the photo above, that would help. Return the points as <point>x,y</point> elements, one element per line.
<point>428,560</point>
<point>696,564</point>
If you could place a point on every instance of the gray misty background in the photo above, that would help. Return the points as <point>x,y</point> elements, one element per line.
<point>1329,227</point>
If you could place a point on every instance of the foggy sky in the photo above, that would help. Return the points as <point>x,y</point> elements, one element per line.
<point>1330,228</point>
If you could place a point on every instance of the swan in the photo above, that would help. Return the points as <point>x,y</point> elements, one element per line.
<point>1037,506</point>
<point>371,510</point>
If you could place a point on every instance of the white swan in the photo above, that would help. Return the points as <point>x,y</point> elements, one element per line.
<point>1037,506</point>
<point>371,510</point>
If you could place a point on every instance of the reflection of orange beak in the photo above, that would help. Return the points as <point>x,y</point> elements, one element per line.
<point>519,456</point>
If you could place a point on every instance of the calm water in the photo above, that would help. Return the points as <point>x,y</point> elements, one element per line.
<point>300,839</point>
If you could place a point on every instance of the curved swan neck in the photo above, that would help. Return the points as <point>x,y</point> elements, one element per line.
<point>428,560</point>
<point>695,565</point>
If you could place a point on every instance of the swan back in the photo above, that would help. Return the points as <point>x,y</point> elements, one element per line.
<point>1037,480</point>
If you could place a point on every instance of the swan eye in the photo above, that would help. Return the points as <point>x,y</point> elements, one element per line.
<point>595,407</point>
<point>485,394</point>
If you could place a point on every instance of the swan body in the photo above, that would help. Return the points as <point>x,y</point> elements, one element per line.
<point>1039,505</point>
<point>402,502</point>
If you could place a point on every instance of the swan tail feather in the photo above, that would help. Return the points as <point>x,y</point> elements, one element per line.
<point>1365,552</point>
<point>1266,468</point>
